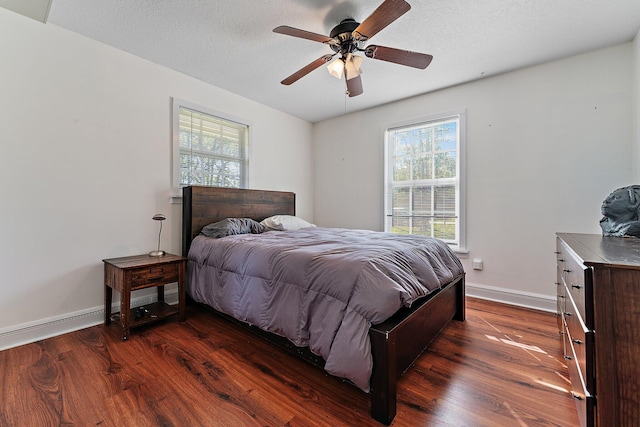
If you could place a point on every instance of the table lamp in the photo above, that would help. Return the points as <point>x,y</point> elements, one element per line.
<point>158,217</point>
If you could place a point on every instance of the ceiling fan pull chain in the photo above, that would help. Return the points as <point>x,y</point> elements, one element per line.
<point>346,95</point>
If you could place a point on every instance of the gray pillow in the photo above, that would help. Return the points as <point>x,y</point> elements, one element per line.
<point>230,226</point>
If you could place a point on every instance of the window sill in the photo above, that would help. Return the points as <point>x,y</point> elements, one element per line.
<point>176,197</point>
<point>461,253</point>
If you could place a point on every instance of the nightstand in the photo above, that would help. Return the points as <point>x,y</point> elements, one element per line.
<point>132,273</point>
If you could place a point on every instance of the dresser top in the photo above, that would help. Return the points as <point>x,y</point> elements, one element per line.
<point>595,249</point>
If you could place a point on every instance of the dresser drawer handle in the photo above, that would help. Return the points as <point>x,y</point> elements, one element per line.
<point>560,296</point>
<point>567,271</point>
<point>575,396</point>
<point>576,286</point>
<point>576,341</point>
<point>567,314</point>
<point>568,358</point>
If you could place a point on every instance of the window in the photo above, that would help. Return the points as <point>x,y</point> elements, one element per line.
<point>423,179</point>
<point>208,148</point>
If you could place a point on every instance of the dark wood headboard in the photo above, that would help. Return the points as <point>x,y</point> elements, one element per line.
<point>203,205</point>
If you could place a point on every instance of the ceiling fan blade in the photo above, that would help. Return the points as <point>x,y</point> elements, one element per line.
<point>295,32</point>
<point>385,14</point>
<point>398,56</point>
<point>354,86</point>
<point>307,69</point>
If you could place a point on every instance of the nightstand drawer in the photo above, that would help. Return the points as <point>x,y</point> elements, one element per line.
<point>154,275</point>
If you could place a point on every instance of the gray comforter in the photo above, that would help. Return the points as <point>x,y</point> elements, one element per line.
<point>320,287</point>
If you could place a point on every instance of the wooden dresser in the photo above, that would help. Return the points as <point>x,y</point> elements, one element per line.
<point>599,320</point>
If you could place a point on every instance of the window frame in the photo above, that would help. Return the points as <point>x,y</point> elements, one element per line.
<point>460,181</point>
<point>176,104</point>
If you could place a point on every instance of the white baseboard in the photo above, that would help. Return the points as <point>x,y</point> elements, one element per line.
<point>45,328</point>
<point>519,298</point>
<point>26,333</point>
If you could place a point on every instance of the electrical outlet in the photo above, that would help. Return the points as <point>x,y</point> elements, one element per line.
<point>477,264</point>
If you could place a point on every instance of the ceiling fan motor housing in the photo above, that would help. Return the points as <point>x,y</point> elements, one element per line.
<point>343,33</point>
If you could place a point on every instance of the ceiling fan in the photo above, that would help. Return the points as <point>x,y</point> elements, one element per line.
<point>349,37</point>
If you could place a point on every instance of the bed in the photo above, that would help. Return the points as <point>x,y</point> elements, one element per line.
<point>394,339</point>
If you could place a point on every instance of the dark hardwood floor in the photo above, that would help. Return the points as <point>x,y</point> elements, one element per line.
<point>502,367</point>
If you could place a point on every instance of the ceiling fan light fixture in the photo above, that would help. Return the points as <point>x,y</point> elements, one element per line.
<point>352,66</point>
<point>336,68</point>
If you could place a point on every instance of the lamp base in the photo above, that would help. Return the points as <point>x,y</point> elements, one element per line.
<point>156,253</point>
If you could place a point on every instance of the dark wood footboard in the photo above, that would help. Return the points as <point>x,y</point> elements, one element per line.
<point>399,341</point>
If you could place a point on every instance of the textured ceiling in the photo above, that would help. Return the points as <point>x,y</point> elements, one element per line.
<point>230,43</point>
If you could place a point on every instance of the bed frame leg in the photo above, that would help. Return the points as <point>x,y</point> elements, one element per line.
<point>383,378</point>
<point>460,300</point>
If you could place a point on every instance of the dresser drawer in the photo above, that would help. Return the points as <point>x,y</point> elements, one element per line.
<point>560,311</point>
<point>560,303</point>
<point>585,401</point>
<point>578,280</point>
<point>562,271</point>
<point>154,275</point>
<point>582,343</point>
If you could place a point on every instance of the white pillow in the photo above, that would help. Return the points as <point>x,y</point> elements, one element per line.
<point>285,222</point>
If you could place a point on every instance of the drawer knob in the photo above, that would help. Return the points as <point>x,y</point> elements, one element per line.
<point>567,314</point>
<point>568,357</point>
<point>577,397</point>
<point>560,296</point>
<point>576,286</point>
<point>567,271</point>
<point>576,341</point>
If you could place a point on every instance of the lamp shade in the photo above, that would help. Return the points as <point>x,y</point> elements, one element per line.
<point>336,68</point>
<point>352,66</point>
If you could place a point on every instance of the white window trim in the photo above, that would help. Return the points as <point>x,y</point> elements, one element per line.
<point>461,248</point>
<point>176,103</point>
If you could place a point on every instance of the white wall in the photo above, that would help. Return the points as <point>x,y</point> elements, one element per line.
<point>545,146</point>
<point>86,160</point>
